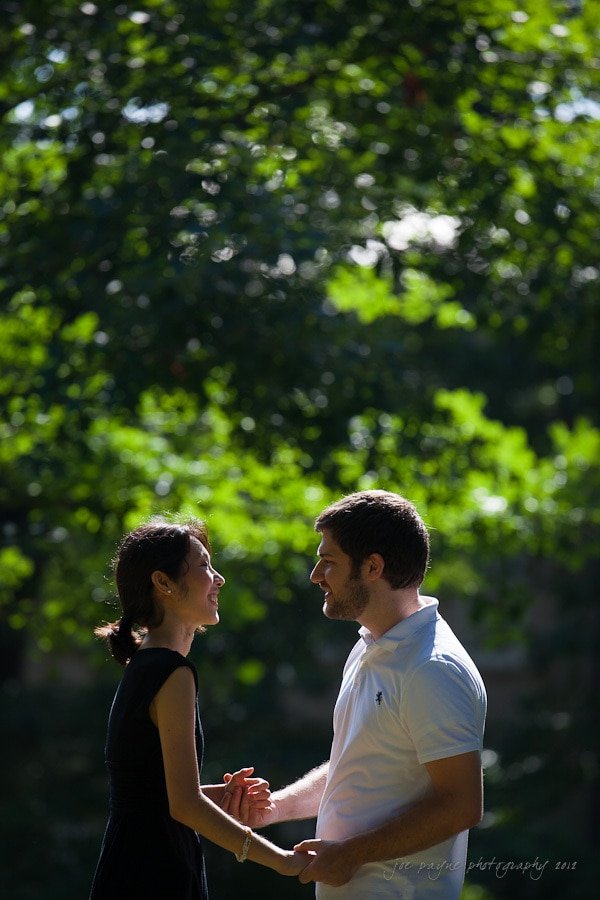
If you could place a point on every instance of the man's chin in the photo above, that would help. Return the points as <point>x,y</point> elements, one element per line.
<point>331,611</point>
<point>327,611</point>
<point>343,611</point>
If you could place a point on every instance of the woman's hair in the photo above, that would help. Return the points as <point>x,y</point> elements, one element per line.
<point>158,545</point>
<point>380,522</point>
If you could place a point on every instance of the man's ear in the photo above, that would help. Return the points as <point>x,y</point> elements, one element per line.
<point>373,566</point>
<point>160,582</point>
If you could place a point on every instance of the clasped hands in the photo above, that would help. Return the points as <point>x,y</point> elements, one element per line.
<point>248,799</point>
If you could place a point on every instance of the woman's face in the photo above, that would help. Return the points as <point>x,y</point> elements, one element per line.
<point>199,587</point>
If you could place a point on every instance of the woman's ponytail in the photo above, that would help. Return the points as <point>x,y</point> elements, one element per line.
<point>121,639</point>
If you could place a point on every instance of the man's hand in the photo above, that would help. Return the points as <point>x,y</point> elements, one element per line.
<point>247,799</point>
<point>333,864</point>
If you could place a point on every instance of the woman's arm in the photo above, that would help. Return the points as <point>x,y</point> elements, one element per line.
<point>173,711</point>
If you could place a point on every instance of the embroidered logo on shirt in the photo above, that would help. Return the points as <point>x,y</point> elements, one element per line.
<point>378,698</point>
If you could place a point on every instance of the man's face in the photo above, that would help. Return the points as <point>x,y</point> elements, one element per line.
<point>346,595</point>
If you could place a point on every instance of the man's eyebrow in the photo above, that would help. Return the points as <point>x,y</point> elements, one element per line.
<point>323,555</point>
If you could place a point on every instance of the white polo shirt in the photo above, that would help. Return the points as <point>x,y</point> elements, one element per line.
<point>411,697</point>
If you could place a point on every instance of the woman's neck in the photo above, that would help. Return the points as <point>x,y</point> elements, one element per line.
<point>169,636</point>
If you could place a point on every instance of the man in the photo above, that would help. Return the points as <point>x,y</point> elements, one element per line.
<point>403,784</point>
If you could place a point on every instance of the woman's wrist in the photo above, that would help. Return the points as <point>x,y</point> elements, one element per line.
<point>242,856</point>
<point>214,792</point>
<point>284,862</point>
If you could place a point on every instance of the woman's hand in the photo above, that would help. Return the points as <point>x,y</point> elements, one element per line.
<point>295,862</point>
<point>245,798</point>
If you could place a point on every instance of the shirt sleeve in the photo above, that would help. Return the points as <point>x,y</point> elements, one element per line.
<point>443,708</point>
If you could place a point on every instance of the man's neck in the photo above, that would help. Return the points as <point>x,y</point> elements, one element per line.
<point>388,609</point>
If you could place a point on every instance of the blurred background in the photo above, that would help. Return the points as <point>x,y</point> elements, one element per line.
<point>255,256</point>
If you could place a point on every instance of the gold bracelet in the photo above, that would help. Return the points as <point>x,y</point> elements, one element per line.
<point>242,857</point>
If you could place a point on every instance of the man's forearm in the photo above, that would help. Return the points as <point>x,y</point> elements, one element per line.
<point>430,821</point>
<point>301,799</point>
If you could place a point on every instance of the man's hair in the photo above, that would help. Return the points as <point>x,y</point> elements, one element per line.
<point>380,522</point>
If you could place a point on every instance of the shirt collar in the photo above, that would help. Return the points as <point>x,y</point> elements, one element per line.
<point>404,629</point>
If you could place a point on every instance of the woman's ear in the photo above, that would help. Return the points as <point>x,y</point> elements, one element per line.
<point>161,582</point>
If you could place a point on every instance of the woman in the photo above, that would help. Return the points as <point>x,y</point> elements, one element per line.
<point>168,587</point>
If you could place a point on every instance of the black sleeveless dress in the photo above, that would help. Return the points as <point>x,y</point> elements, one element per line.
<point>145,855</point>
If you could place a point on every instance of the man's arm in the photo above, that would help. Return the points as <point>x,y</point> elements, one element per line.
<point>453,803</point>
<point>299,800</point>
